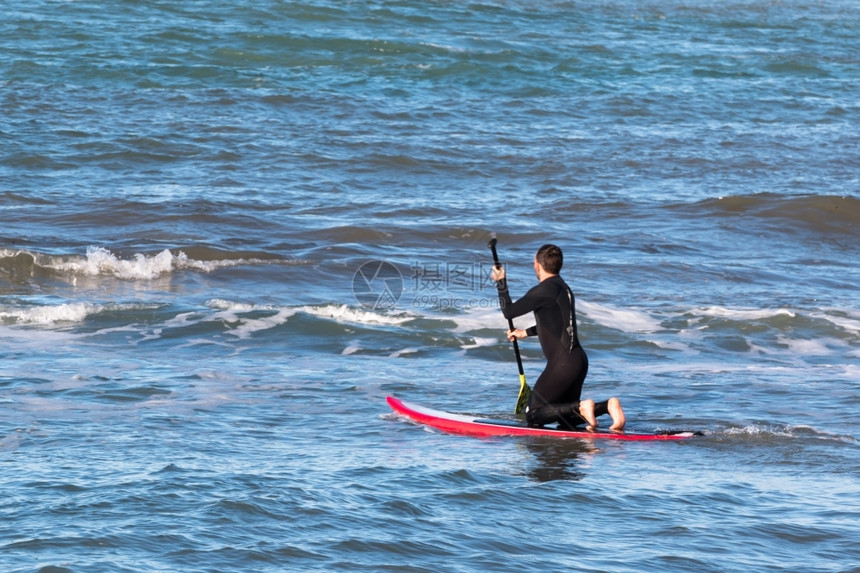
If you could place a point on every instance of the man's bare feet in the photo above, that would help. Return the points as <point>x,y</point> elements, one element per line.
<point>586,410</point>
<point>617,413</point>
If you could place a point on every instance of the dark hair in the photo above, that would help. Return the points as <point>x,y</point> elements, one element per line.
<point>550,258</point>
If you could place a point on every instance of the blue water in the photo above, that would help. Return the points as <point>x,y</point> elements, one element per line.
<point>195,352</point>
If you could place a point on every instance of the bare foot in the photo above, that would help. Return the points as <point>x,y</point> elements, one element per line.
<point>617,413</point>
<point>586,410</point>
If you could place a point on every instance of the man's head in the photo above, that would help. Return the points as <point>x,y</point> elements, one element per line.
<point>549,258</point>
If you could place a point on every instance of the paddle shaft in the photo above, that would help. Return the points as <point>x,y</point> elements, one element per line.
<point>522,400</point>
<point>501,286</point>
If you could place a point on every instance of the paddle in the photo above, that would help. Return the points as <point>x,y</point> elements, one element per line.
<point>525,390</point>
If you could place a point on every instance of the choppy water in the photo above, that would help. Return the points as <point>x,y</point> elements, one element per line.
<point>193,362</point>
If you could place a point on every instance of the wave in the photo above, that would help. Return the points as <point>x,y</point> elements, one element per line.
<point>638,321</point>
<point>73,312</point>
<point>627,320</point>
<point>760,432</point>
<point>244,319</point>
<point>812,331</point>
<point>781,335</point>
<point>847,320</point>
<point>245,327</point>
<point>826,214</point>
<point>821,213</point>
<point>99,261</point>
<point>337,312</point>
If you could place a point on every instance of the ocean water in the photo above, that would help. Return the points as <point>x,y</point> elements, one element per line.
<point>228,230</point>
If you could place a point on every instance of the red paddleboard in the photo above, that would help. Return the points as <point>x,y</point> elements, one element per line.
<point>483,427</point>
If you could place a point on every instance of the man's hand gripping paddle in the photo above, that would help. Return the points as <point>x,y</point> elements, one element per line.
<point>525,391</point>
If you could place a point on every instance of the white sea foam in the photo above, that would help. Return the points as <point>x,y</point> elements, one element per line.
<point>479,319</point>
<point>101,261</point>
<point>68,312</point>
<point>402,351</point>
<point>22,340</point>
<point>669,345</point>
<point>221,304</point>
<point>231,312</point>
<point>807,347</point>
<point>65,312</point>
<point>345,313</point>
<point>851,323</point>
<point>248,327</point>
<point>852,371</point>
<point>625,320</point>
<point>340,313</point>
<point>798,431</point>
<point>480,342</point>
<point>743,314</point>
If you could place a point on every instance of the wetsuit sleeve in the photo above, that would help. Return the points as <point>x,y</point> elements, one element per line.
<point>504,295</point>
<point>523,306</point>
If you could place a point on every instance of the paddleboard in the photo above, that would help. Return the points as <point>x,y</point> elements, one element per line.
<point>484,427</point>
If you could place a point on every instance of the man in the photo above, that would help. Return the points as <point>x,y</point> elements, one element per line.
<point>556,394</point>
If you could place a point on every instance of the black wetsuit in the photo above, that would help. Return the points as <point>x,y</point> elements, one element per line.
<point>555,396</point>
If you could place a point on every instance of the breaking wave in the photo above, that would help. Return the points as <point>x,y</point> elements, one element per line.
<point>100,261</point>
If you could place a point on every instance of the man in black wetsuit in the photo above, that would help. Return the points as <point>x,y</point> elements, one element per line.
<point>556,394</point>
